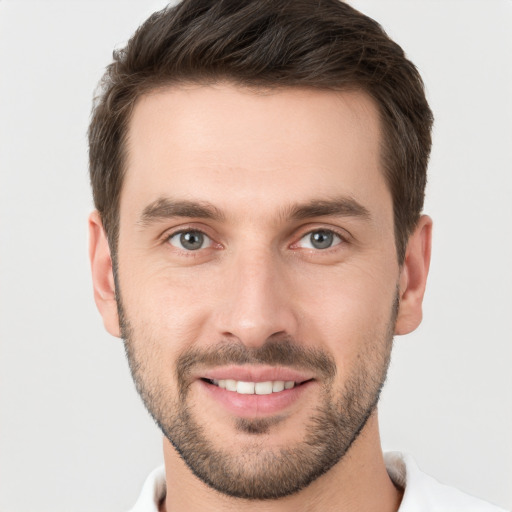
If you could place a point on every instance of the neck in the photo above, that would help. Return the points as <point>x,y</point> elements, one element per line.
<point>357,482</point>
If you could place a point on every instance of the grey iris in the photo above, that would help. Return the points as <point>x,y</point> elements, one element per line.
<point>321,239</point>
<point>192,240</point>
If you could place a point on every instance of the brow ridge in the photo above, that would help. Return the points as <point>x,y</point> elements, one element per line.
<point>337,207</point>
<point>165,208</point>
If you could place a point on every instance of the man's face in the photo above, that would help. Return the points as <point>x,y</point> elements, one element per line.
<point>256,250</point>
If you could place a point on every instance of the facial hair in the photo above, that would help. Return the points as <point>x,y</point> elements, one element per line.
<point>259,472</point>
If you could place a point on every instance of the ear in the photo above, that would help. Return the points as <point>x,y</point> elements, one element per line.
<point>102,275</point>
<point>413,277</point>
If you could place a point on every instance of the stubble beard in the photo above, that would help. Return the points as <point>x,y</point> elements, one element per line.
<point>258,472</point>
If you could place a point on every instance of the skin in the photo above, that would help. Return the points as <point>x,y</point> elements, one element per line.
<point>254,156</point>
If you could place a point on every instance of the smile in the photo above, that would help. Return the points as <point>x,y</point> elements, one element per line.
<point>255,392</point>
<point>253,388</point>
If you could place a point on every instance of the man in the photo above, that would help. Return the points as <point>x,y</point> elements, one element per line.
<point>258,169</point>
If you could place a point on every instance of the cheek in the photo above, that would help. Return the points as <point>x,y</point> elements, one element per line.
<point>163,323</point>
<point>349,312</point>
<point>169,305</point>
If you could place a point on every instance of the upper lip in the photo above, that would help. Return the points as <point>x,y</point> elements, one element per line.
<point>249,373</point>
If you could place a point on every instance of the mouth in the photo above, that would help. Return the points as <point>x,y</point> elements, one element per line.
<point>251,392</point>
<point>255,388</point>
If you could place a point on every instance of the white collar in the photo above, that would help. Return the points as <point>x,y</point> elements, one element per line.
<point>422,493</point>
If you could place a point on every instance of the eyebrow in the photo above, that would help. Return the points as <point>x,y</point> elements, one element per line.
<point>337,207</point>
<point>166,208</point>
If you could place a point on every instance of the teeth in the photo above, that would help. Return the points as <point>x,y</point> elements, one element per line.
<point>251,388</point>
<point>230,384</point>
<point>245,388</point>
<point>263,388</point>
<point>277,386</point>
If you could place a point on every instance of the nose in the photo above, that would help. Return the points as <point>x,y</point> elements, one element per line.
<point>257,300</point>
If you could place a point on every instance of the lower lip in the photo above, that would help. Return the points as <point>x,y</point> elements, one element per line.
<point>250,406</point>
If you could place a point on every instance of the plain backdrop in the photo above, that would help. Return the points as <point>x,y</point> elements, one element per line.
<point>74,435</point>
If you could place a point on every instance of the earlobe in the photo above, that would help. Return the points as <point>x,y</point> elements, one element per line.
<point>413,277</point>
<point>102,275</point>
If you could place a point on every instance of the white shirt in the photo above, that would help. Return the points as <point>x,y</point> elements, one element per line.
<point>422,493</point>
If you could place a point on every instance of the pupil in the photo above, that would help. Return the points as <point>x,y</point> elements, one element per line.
<point>321,239</point>
<point>192,240</point>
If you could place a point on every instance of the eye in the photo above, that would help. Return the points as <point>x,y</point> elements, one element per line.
<point>319,239</point>
<point>191,240</point>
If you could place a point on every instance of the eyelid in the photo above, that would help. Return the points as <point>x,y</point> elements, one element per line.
<point>344,236</point>
<point>206,240</point>
<point>184,228</point>
<point>181,228</point>
<point>336,240</point>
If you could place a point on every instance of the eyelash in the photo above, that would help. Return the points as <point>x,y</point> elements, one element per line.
<point>342,239</point>
<point>168,236</point>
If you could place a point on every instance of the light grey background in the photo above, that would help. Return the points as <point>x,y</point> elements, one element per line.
<point>73,433</point>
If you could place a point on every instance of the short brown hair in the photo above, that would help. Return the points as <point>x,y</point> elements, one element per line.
<point>322,44</point>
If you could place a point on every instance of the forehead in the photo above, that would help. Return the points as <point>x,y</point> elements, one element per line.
<point>246,148</point>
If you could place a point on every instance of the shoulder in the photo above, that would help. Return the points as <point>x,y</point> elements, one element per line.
<point>423,493</point>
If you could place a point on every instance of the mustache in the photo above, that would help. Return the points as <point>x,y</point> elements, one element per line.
<point>276,351</point>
